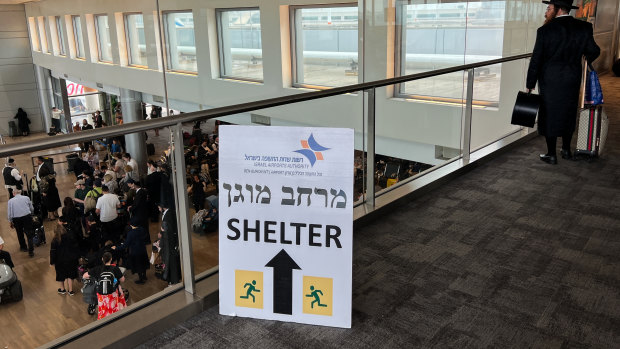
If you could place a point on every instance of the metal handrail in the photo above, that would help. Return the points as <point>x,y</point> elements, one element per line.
<point>77,137</point>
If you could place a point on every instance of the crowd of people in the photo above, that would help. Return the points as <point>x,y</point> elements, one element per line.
<point>105,222</point>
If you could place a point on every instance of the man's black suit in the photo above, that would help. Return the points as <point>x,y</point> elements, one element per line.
<point>169,244</point>
<point>556,65</point>
<point>140,210</point>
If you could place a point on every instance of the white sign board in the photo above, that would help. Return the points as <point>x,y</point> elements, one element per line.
<point>286,223</point>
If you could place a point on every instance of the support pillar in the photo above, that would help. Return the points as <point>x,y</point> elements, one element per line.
<point>44,85</point>
<point>131,106</point>
<point>65,120</point>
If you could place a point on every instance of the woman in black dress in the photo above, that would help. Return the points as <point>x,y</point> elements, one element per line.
<point>23,121</point>
<point>64,257</point>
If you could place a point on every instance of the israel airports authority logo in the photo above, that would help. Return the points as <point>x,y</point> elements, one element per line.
<point>311,150</point>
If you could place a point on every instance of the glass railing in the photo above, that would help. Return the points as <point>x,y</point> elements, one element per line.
<point>255,66</point>
<point>396,157</point>
<point>398,141</point>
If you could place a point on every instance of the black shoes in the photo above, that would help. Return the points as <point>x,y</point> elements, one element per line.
<point>550,159</point>
<point>566,154</point>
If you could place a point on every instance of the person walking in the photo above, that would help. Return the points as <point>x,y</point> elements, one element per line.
<point>12,177</point>
<point>19,212</point>
<point>556,66</point>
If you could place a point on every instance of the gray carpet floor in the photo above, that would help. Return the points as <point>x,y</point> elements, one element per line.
<point>515,253</point>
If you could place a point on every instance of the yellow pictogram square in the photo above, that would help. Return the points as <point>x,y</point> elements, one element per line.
<point>318,295</point>
<point>249,289</point>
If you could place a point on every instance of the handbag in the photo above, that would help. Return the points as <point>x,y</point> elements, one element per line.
<point>594,92</point>
<point>526,109</point>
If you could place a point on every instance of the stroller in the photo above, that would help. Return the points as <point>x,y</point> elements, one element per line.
<point>10,286</point>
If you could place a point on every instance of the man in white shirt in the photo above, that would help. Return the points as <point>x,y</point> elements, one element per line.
<point>134,165</point>
<point>11,177</point>
<point>106,209</point>
<point>19,212</point>
<point>56,118</point>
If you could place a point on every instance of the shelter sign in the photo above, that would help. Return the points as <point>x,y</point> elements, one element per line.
<point>286,223</point>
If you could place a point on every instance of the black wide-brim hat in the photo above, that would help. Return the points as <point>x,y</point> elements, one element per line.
<point>567,3</point>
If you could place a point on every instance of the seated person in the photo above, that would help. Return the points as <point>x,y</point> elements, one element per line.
<point>5,256</point>
<point>209,221</point>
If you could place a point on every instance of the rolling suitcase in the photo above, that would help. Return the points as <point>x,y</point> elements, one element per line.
<point>592,132</point>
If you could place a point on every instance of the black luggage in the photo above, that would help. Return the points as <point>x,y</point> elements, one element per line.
<point>592,132</point>
<point>71,161</point>
<point>616,67</point>
<point>39,231</point>
<point>13,130</point>
<point>10,286</point>
<point>150,149</point>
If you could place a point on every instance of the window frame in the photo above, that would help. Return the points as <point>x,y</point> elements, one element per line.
<point>78,37</point>
<point>293,43</point>
<point>34,34</point>
<point>98,37</point>
<point>220,43</point>
<point>62,50</point>
<point>166,34</point>
<point>128,42</point>
<point>42,27</point>
<point>400,58</point>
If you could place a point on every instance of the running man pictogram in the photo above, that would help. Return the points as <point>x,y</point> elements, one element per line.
<point>251,288</point>
<point>317,299</point>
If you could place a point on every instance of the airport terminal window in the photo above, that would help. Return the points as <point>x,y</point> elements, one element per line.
<point>325,51</point>
<point>104,45</point>
<point>77,34</point>
<point>136,44</point>
<point>180,41</point>
<point>61,37</point>
<point>241,49</point>
<point>34,35</point>
<point>42,34</point>
<point>447,34</point>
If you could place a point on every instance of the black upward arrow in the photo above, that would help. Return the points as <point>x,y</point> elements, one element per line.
<point>283,266</point>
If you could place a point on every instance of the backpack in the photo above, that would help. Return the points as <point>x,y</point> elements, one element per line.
<point>33,185</point>
<point>90,201</point>
<point>107,282</point>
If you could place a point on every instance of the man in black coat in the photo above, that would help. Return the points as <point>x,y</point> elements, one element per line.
<point>139,208</point>
<point>153,189</point>
<point>169,244</point>
<point>556,65</point>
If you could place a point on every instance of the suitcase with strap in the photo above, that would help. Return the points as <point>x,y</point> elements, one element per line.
<point>592,132</point>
